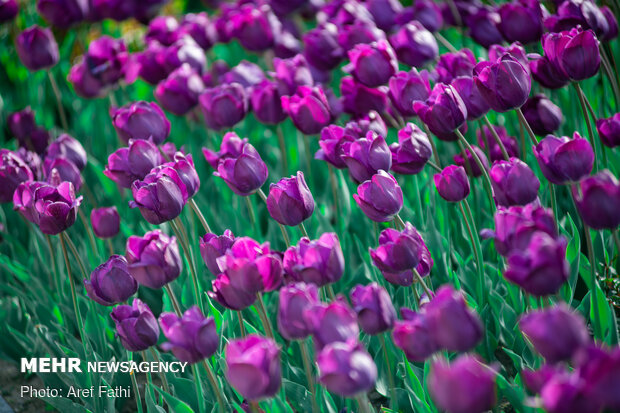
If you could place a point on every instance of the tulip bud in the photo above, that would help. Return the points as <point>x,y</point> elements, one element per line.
<point>110,283</point>
<point>62,169</point>
<point>483,27</point>
<point>346,368</point>
<point>213,246</point>
<point>179,92</point>
<point>84,82</point>
<point>412,152</point>
<point>366,156</point>
<point>380,198</point>
<point>318,261</point>
<point>543,116</point>
<point>200,28</point>
<point>153,259</point>
<point>228,295</point>
<point>521,21</point>
<point>184,50</point>
<point>108,61</point>
<point>294,300</point>
<point>13,171</point>
<point>291,73</point>
<point>546,73</point>
<point>290,202</point>
<point>308,108</point>
<point>151,63</point>
<point>22,124</point>
<point>505,84</point>
<point>321,47</point>
<point>453,65</point>
<point>475,103</point>
<point>253,366</point>
<point>574,53</point>
<point>513,182</point>
<point>191,337</point>
<point>612,24</point>
<point>413,337</point>
<point>359,32</point>
<point>374,308</point>
<point>468,162</point>
<point>384,12</point>
<point>452,183</point>
<point>63,13</point>
<point>266,102</point>
<point>163,29</point>
<point>37,48</point>
<point>8,10</point>
<point>70,148</point>
<point>141,120</point>
<point>609,130</point>
<point>564,160</point>
<point>105,222</point>
<point>407,87</point>
<point>443,112</point>
<point>333,322</point>
<point>127,165</point>
<point>135,325</point>
<point>372,64</point>
<point>358,99</point>
<point>332,140</point>
<point>596,198</point>
<point>414,45</point>
<point>159,196</point>
<point>224,106</point>
<point>255,27</point>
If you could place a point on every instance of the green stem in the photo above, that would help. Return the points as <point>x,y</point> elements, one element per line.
<point>216,388</point>
<point>302,228</point>
<point>173,300</point>
<point>432,141</point>
<point>478,162</point>
<point>198,385</point>
<point>434,166</point>
<point>584,109</point>
<point>594,283</point>
<point>475,244</point>
<point>262,312</point>
<point>334,185</point>
<point>554,206</point>
<point>308,368</point>
<point>287,240</point>
<point>241,326</point>
<point>527,128</point>
<point>89,230</point>
<point>136,389</point>
<point>149,378</point>
<point>177,224</point>
<point>427,290</point>
<point>54,266</point>
<point>248,203</point>
<point>363,403</point>
<point>445,42</point>
<point>77,257</point>
<point>496,137</point>
<point>616,241</point>
<point>399,221</point>
<point>76,307</point>
<point>162,375</point>
<point>394,399</point>
<point>416,296</point>
<point>200,216</point>
<point>485,139</point>
<point>330,292</point>
<point>282,144</point>
<point>61,109</point>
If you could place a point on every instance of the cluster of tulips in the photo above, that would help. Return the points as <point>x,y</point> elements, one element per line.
<point>395,81</point>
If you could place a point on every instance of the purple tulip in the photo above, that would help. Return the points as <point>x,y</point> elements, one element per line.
<point>22,124</point>
<point>575,53</point>
<point>191,337</point>
<point>333,322</point>
<point>358,99</point>
<point>384,12</point>
<point>105,222</point>
<point>406,88</point>
<point>213,246</point>
<point>285,7</point>
<point>346,368</point>
<point>380,198</point>
<point>37,49</point>
<point>84,82</point>
<point>372,64</point>
<point>564,160</point>
<point>32,160</point>
<point>308,108</point>
<point>69,148</point>
<point>8,10</point>
<point>163,29</point>
<point>513,182</point>
<point>107,60</point>
<point>371,121</point>
<point>536,380</point>
<point>232,146</point>
<point>151,63</point>
<point>224,106</point>
<point>359,32</point>
<point>543,115</point>
<point>184,50</point>
<point>61,169</point>
<point>247,74</point>
<point>290,202</point>
<point>483,27</point>
<point>200,28</point>
<point>255,26</point>
<point>505,84</point>
<point>572,13</point>
<point>609,130</point>
<point>135,325</point>
<point>443,112</point>
<point>414,45</point>
<point>315,261</point>
<point>413,337</point>
<point>374,308</point>
<point>599,370</point>
<point>486,138</point>
<point>295,299</point>
<point>229,295</point>
<point>453,65</point>
<point>63,13</point>
<point>127,165</point>
<point>332,140</point>
<point>596,199</point>
<point>321,47</point>
<point>468,162</point>
<point>521,21</point>
<point>160,196</point>
<point>13,171</point>
<point>153,259</point>
<point>364,157</point>
<point>612,24</point>
<point>466,385</point>
<point>412,152</point>
<point>567,393</point>
<point>475,103</point>
<point>253,366</point>
<point>540,268</point>
<point>427,13</point>
<point>555,332</point>
<point>179,92</point>
<point>110,283</point>
<point>452,183</point>
<point>545,72</point>
<point>266,102</point>
<point>141,120</point>
<point>291,73</point>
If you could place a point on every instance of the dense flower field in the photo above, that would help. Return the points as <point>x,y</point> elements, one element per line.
<point>319,205</point>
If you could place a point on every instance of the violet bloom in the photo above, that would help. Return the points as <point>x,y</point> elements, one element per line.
<point>191,337</point>
<point>22,124</point>
<point>452,183</point>
<point>468,162</point>
<point>321,47</point>
<point>374,308</point>
<point>358,99</point>
<point>63,13</point>
<point>453,65</point>
<point>247,74</point>
<point>443,112</point>
<point>609,130</point>
<point>214,246</point>
<point>573,13</point>
<point>37,49</point>
<point>505,84</point>
<point>127,165</point>
<point>265,99</point>
<point>163,29</point>
<point>371,121</point>
<point>179,92</point>
<point>295,299</point>
<point>540,268</point>
<point>521,21</point>
<point>486,138</point>
<point>359,32</point>
<point>200,28</point>
<point>141,120</point>
<point>225,292</point>
<point>160,196</point>
<point>291,73</point>
<point>612,24</point>
<point>546,73</point>
<point>384,12</point>
<point>475,103</point>
<point>564,160</point>
<point>253,366</point>
<point>364,157</point>
<point>224,106</point>
<point>414,45</point>
<point>108,60</point>
<point>483,27</point>
<point>151,63</point>
<point>84,82</point>
<point>406,88</point>
<point>543,116</point>
<point>557,333</point>
<point>135,325</point>
<point>332,140</point>
<point>466,385</point>
<point>599,370</point>
<point>380,198</point>
<point>320,261</point>
<point>513,182</point>
<point>308,108</point>
<point>399,252</point>
<point>290,201</point>
<point>232,146</point>
<point>8,10</point>
<point>428,13</point>
<point>333,322</point>
<point>412,152</point>
<point>32,160</point>
<point>105,222</point>
<point>62,169</point>
<point>184,50</point>
<point>153,259</point>
<point>110,283</point>
<point>13,171</point>
<point>413,336</point>
<point>255,26</point>
<point>372,64</point>
<point>346,368</point>
<point>70,148</point>
<point>574,53</point>
<point>597,198</point>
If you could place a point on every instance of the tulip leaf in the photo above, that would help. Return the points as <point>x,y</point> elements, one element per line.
<point>176,405</point>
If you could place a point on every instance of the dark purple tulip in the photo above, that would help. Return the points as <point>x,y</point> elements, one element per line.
<point>426,12</point>
<point>452,183</point>
<point>13,171</point>
<point>546,73</point>
<point>247,74</point>
<point>483,27</point>
<point>108,60</point>
<point>346,368</point>
<point>52,207</point>
<point>255,26</point>
<point>63,169</point>
<point>609,130</point>
<point>574,53</point>
<point>232,146</point>
<point>358,99</point>
<point>372,64</point>
<point>179,92</point>
<point>359,32</point>
<point>291,73</point>
<point>510,142</point>
<point>505,84</point>
<point>308,109</point>
<point>133,163</point>
<point>543,115</point>
<point>513,182</point>
<point>333,138</point>
<point>564,160</point>
<point>229,295</point>
<point>452,65</point>
<point>32,160</point>
<point>384,12</point>
<point>535,380</point>
<point>374,308</point>
<point>412,151</point>
<point>244,172</point>
<point>8,10</point>
<point>343,12</point>
<point>364,157</point>
<point>141,120</point>
<point>521,21</point>
<point>266,102</point>
<point>413,337</point>
<point>515,49</point>
<point>111,9</point>
<point>540,268</point>
<point>414,45</point>
<point>468,162</point>
<point>191,337</point>
<point>200,28</point>
<point>85,84</point>
<point>380,198</point>
<point>164,30</point>
<point>105,222</point>
<point>185,50</point>
<point>110,283</point>
<point>466,385</point>
<point>37,49</point>
<point>160,196</point>
<point>475,103</point>
<point>612,24</point>
<point>406,88</point>
<point>224,106</point>
<point>321,47</point>
<point>37,141</point>
<point>135,325</point>
<point>567,393</point>
<point>443,112</point>
<point>315,261</point>
<point>333,322</point>
<point>284,7</point>
<point>22,124</point>
<point>63,13</point>
<point>371,121</point>
<point>295,299</point>
<point>597,198</point>
<point>573,13</point>
<point>70,148</point>
<point>151,63</point>
<point>153,259</point>
<point>253,366</point>
<point>182,166</point>
<point>556,332</point>
<point>290,202</point>
<point>213,246</point>
<point>600,372</point>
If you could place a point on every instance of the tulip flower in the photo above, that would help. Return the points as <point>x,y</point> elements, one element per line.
<point>141,120</point>
<point>414,45</point>
<point>505,84</point>
<point>184,51</point>
<point>543,116</point>
<point>384,12</point>
<point>22,124</point>
<point>13,171</point>
<point>567,393</point>
<point>545,72</point>
<point>486,138</point>
<point>291,73</point>
<point>247,74</point>
<point>37,49</point>
<point>564,160</point>
<point>295,299</point>
<point>8,10</point>
<point>105,222</point>
<point>191,337</point>
<point>62,169</point>
<point>358,99</point>
<point>127,165</point>
<point>315,261</point>
<point>179,92</point>
<point>255,26</point>
<point>598,369</point>
<point>107,60</point>
<point>443,112</point>
<point>574,54</point>
<point>372,64</point>
<point>321,47</point>
<point>412,152</point>
<point>290,202</point>
<point>266,102</point>
<point>452,183</point>
<point>224,106</point>
<point>469,163</point>
<point>163,29</point>
<point>135,325</point>
<point>475,103</point>
<point>84,82</point>
<point>572,13</point>
<point>453,65</point>
<point>153,259</point>
<point>332,140</point>
<point>380,198</point>
<point>200,28</point>
<point>406,88</point>
<point>213,247</point>
<point>333,322</point>
<point>228,295</point>
<point>346,368</point>
<point>609,130</point>
<point>521,21</point>
<point>359,32</point>
<point>63,13</point>
<point>513,182</point>
<point>160,196</point>
<point>70,148</point>
<point>364,157</point>
<point>596,198</point>
<point>308,108</point>
<point>110,283</point>
<point>374,308</point>
<point>414,338</point>
<point>151,63</point>
<point>427,12</point>
<point>483,27</point>
<point>253,366</point>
